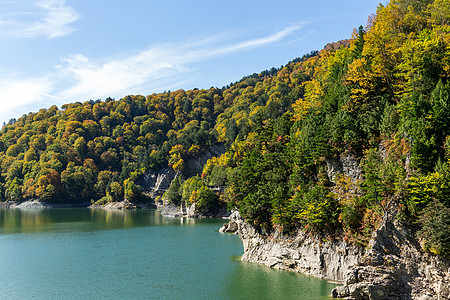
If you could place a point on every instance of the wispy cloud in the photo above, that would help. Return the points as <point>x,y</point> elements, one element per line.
<point>273,38</point>
<point>37,18</point>
<point>79,78</point>
<point>19,92</point>
<point>141,72</point>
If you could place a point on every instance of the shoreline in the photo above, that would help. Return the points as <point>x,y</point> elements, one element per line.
<point>392,266</point>
<point>37,204</point>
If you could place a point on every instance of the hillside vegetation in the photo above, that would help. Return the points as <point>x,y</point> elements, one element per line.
<point>380,99</point>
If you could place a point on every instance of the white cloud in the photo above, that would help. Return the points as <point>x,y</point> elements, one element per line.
<point>79,78</point>
<point>15,93</point>
<point>276,37</point>
<point>118,76</point>
<point>37,18</point>
<point>140,72</point>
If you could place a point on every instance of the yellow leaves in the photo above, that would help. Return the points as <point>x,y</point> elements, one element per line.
<point>313,91</point>
<point>439,11</point>
<point>422,189</point>
<point>194,150</point>
<point>340,56</point>
<point>207,168</point>
<point>255,111</point>
<point>177,149</point>
<point>312,98</point>
<point>313,212</point>
<point>222,161</point>
<point>248,90</point>
<point>178,165</point>
<point>300,109</point>
<point>241,118</point>
<point>425,185</point>
<point>221,130</point>
<point>362,78</point>
<point>346,190</point>
<point>175,159</point>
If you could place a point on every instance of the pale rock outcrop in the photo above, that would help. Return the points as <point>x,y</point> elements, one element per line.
<point>157,182</point>
<point>391,267</point>
<point>344,164</point>
<point>195,165</point>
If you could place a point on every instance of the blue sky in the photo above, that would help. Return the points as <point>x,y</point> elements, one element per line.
<point>62,51</point>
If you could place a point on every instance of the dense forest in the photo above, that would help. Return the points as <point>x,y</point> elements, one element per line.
<point>380,99</point>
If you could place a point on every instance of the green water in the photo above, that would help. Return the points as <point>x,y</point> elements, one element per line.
<point>96,254</point>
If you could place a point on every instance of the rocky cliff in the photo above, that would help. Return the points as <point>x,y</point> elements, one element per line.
<point>395,267</point>
<point>156,182</point>
<point>194,165</point>
<point>391,267</point>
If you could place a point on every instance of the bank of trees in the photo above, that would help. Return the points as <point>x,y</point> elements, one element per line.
<point>99,149</point>
<point>380,99</point>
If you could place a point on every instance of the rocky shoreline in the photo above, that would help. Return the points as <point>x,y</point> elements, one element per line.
<point>124,205</point>
<point>113,205</point>
<point>34,203</point>
<point>391,267</point>
<point>190,211</point>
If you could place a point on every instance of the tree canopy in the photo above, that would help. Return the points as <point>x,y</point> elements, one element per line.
<point>380,100</point>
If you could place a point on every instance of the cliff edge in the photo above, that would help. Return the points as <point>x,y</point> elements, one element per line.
<point>391,267</point>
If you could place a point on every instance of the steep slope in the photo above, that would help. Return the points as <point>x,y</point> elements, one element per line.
<point>330,145</point>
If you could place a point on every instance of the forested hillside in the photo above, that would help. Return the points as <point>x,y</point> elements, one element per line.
<point>380,100</point>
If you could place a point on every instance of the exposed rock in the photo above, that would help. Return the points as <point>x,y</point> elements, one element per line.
<point>157,182</point>
<point>6,204</point>
<point>36,203</point>
<point>124,205</point>
<point>344,164</point>
<point>326,259</point>
<point>178,211</point>
<point>233,225</point>
<point>170,210</point>
<point>195,165</point>
<point>31,204</point>
<point>191,211</point>
<point>392,266</point>
<point>230,227</point>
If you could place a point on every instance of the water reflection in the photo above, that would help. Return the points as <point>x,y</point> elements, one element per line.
<point>51,253</point>
<point>35,220</point>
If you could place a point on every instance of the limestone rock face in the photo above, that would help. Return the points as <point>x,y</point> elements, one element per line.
<point>394,267</point>
<point>158,181</point>
<point>344,164</point>
<point>195,165</point>
<point>233,225</point>
<point>391,267</point>
<point>300,252</point>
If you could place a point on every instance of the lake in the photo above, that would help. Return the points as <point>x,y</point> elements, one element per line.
<point>81,253</point>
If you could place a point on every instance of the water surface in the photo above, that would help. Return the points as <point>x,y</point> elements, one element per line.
<point>95,254</point>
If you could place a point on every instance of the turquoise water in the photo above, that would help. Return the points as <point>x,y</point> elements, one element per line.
<point>97,254</point>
